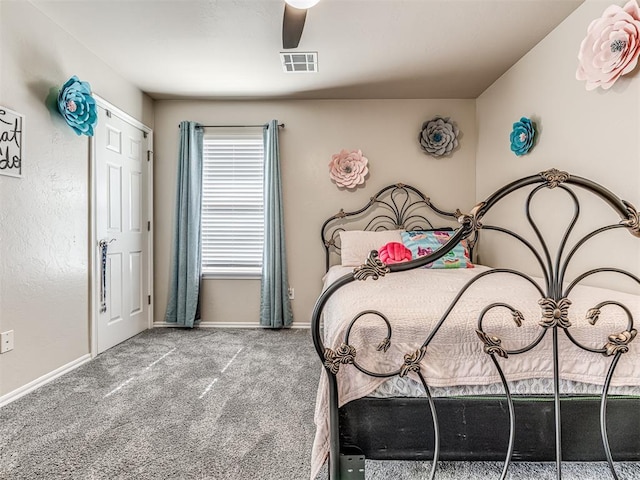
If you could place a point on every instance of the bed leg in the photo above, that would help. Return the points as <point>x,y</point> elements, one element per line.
<point>352,465</point>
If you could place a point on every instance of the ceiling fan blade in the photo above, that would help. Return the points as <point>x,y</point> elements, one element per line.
<point>292,26</point>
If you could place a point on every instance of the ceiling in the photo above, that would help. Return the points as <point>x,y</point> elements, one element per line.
<point>229,49</point>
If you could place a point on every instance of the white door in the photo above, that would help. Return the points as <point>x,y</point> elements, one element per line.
<point>121,276</point>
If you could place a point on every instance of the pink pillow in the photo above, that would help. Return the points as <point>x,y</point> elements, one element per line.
<point>394,252</point>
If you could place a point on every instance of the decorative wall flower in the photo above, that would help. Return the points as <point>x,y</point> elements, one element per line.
<point>348,169</point>
<point>522,136</point>
<point>438,136</point>
<point>611,47</point>
<point>77,106</point>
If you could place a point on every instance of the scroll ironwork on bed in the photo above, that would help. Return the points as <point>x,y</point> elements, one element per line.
<point>404,207</point>
<point>398,206</point>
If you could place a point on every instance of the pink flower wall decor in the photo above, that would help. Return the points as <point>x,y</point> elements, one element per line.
<point>348,169</point>
<point>611,47</point>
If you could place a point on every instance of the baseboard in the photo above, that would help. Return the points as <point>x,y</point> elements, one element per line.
<point>226,325</point>
<point>43,380</point>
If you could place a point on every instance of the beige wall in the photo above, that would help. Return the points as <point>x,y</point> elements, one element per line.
<point>385,130</point>
<point>44,277</point>
<point>591,134</point>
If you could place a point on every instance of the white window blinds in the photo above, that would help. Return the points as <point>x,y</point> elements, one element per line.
<point>232,203</point>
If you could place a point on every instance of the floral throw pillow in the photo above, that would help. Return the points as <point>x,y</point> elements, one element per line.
<point>425,242</point>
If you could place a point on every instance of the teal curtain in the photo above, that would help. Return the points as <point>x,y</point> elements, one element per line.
<point>182,308</point>
<point>275,306</point>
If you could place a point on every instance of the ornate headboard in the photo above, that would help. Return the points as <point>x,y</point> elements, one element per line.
<point>394,207</point>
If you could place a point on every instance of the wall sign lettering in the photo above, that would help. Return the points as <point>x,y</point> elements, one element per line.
<point>11,135</point>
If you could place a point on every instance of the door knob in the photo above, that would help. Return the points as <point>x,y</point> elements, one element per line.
<point>105,243</point>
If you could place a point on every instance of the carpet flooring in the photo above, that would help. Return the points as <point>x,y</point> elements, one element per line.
<point>199,404</point>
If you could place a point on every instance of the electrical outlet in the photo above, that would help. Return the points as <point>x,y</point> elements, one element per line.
<point>292,293</point>
<point>6,341</point>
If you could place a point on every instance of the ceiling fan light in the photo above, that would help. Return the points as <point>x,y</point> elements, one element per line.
<point>302,4</point>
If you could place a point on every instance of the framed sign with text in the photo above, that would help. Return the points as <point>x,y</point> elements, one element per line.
<point>11,136</point>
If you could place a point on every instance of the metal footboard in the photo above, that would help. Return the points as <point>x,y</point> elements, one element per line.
<point>554,295</point>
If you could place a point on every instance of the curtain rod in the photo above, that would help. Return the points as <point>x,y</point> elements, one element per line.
<point>281,125</point>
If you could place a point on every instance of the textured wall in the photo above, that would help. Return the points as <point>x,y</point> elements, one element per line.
<point>385,130</point>
<point>44,216</point>
<point>591,134</point>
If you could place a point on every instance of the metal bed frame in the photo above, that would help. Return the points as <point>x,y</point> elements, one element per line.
<point>554,427</point>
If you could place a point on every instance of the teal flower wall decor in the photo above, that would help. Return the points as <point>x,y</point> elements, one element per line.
<point>522,136</point>
<point>77,106</point>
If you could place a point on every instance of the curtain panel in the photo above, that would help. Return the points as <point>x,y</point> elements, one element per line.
<point>182,308</point>
<point>275,306</point>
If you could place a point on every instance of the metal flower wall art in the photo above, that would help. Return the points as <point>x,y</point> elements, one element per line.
<point>439,137</point>
<point>611,47</point>
<point>348,169</point>
<point>77,106</point>
<point>522,136</point>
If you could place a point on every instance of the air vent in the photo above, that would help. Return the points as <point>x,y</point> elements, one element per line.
<point>299,62</point>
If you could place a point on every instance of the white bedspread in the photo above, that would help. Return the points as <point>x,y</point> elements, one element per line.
<point>414,301</point>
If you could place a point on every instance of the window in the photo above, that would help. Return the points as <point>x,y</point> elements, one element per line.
<point>232,203</point>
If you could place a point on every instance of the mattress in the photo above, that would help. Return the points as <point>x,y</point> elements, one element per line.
<point>408,387</point>
<point>415,300</point>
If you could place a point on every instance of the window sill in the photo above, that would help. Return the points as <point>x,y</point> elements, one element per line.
<point>231,276</point>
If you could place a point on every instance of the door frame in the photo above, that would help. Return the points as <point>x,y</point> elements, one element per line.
<point>94,268</point>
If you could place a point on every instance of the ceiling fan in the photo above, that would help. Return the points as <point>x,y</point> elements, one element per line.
<point>295,13</point>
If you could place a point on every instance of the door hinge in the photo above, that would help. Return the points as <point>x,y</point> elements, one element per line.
<point>144,134</point>
<point>149,153</point>
<point>149,226</point>
<point>108,113</point>
<point>149,299</point>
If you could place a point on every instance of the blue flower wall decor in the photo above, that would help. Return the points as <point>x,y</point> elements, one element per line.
<point>77,106</point>
<point>522,136</point>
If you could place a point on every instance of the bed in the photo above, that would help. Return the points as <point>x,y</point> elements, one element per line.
<point>425,360</point>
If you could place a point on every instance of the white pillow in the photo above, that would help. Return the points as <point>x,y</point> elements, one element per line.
<point>355,245</point>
